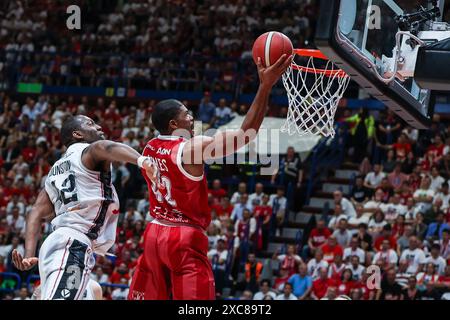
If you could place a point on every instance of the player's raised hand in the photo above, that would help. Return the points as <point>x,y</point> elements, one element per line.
<point>268,76</point>
<point>23,263</point>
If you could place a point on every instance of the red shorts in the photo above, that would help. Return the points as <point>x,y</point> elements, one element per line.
<point>174,265</point>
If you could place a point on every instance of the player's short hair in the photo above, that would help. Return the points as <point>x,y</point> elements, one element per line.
<point>70,125</point>
<point>165,111</point>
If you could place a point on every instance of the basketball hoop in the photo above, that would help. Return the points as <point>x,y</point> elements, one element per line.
<point>313,94</point>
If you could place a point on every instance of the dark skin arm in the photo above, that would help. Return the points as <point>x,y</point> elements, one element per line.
<point>42,209</point>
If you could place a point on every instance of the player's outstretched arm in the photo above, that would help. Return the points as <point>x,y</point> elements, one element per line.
<point>109,151</point>
<point>43,208</point>
<point>223,144</point>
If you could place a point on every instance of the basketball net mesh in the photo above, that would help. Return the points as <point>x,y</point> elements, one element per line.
<point>312,107</point>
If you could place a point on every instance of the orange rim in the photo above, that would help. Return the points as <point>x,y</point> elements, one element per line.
<point>318,55</point>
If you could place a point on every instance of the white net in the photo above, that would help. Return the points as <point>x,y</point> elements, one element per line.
<point>313,96</point>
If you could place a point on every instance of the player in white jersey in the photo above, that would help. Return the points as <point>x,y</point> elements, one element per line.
<point>81,198</point>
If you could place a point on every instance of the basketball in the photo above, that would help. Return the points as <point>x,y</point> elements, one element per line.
<point>270,46</point>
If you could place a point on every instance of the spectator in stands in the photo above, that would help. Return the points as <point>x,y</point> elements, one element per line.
<point>390,289</point>
<point>264,291</point>
<point>362,131</point>
<point>347,206</point>
<point>331,248</point>
<point>389,163</point>
<point>356,268</point>
<point>301,283</point>
<point>411,292</point>
<point>386,258</point>
<point>99,276</point>
<point>317,237</point>
<point>255,198</point>
<point>393,209</point>
<point>289,261</point>
<point>439,262</point>
<point>246,295</point>
<point>263,216</point>
<point>242,189</point>
<point>429,277</point>
<point>120,272</point>
<point>347,283</point>
<point>436,180</point>
<point>321,284</point>
<point>217,191</point>
<point>278,202</point>
<point>121,293</point>
<point>253,271</point>
<point>414,256</point>
<point>287,293</point>
<point>316,263</point>
<point>396,178</point>
<point>218,257</point>
<point>359,194</point>
<point>342,234</point>
<point>238,210</point>
<point>434,231</point>
<point>403,240</point>
<point>206,111</point>
<point>354,250</point>
<point>290,172</point>
<point>373,179</point>
<point>338,215</point>
<point>354,222</point>
<point>336,268</point>
<point>445,244</point>
<point>419,227</point>
<point>386,234</point>
<point>424,195</point>
<point>377,223</point>
<point>222,114</point>
<point>23,294</point>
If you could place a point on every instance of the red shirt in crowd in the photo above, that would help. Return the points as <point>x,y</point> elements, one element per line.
<point>319,237</point>
<point>218,194</point>
<point>330,252</point>
<point>401,150</point>
<point>379,241</point>
<point>263,212</point>
<point>320,287</point>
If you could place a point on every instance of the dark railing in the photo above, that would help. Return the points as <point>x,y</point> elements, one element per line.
<point>328,153</point>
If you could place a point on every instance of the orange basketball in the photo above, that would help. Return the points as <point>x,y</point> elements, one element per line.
<point>270,46</point>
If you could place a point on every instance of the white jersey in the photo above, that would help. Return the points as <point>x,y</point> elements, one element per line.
<point>84,200</point>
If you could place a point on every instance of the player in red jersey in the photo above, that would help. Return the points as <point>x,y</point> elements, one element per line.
<point>174,263</point>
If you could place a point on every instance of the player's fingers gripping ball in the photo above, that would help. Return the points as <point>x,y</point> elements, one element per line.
<point>270,46</point>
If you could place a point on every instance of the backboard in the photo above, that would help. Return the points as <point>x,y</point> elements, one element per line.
<point>359,36</point>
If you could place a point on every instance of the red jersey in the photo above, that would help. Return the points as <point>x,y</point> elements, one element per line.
<point>330,252</point>
<point>319,237</point>
<point>182,197</point>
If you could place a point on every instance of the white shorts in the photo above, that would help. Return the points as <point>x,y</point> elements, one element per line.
<point>65,263</point>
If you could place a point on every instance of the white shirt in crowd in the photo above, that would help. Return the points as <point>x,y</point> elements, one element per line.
<point>389,256</point>
<point>347,208</point>
<point>436,183</point>
<point>373,179</point>
<point>221,256</point>
<point>314,267</point>
<point>275,200</point>
<point>445,199</point>
<point>414,257</point>
<point>254,198</point>
<point>334,222</point>
<point>348,253</point>
<point>283,297</point>
<point>391,211</point>
<point>357,272</point>
<point>440,263</point>
<point>119,294</point>
<point>260,296</point>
